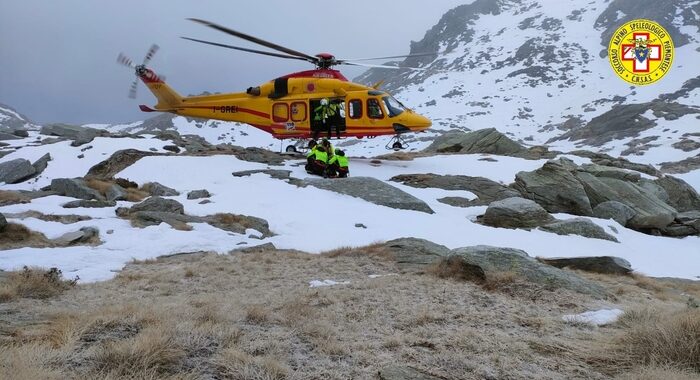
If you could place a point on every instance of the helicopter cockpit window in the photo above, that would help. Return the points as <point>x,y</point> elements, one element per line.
<point>393,106</point>
<point>374,110</point>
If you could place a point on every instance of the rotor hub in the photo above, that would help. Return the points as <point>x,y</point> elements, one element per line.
<point>141,70</point>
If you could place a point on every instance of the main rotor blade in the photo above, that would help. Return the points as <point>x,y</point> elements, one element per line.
<point>154,48</point>
<point>254,39</point>
<point>380,66</point>
<point>132,90</point>
<point>246,49</point>
<point>390,57</point>
<point>124,60</point>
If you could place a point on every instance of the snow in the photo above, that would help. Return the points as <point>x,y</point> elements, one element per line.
<point>321,283</point>
<point>600,317</point>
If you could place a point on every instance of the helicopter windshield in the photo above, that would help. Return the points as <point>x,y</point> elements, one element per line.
<point>393,106</point>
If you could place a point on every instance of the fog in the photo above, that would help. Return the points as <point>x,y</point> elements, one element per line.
<point>58,58</point>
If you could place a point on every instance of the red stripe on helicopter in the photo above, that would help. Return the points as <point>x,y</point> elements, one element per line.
<point>238,109</point>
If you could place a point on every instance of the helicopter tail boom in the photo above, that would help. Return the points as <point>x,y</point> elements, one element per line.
<point>167,97</point>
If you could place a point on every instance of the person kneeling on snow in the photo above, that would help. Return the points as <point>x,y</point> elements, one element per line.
<point>317,162</point>
<point>338,165</point>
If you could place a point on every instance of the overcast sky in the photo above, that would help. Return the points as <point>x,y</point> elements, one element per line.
<point>58,58</point>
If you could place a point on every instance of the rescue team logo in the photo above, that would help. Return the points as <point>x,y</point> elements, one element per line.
<point>641,52</point>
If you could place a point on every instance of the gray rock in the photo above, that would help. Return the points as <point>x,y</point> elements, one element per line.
<point>595,264</point>
<point>156,189</point>
<point>85,136</point>
<point>23,133</point>
<point>15,171</point>
<point>494,260</point>
<point>75,188</point>
<point>3,222</point>
<point>653,188</point>
<point>81,236</point>
<point>415,255</point>
<point>679,230</point>
<point>61,130</point>
<point>171,148</point>
<point>198,194</point>
<point>516,213</point>
<point>481,141</point>
<point>615,210</point>
<point>578,226</point>
<point>681,195</point>
<point>274,173</point>
<point>555,188</point>
<point>159,204</point>
<point>255,249</point>
<point>611,172</point>
<point>89,204</point>
<point>116,193</point>
<point>41,164</point>
<point>400,372</point>
<point>486,189</point>
<point>8,136</point>
<point>372,190</point>
<point>153,218</point>
<point>650,211</point>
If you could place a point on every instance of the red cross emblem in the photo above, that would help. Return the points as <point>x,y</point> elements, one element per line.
<point>640,60</point>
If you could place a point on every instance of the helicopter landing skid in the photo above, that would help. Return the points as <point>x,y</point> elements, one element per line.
<point>397,143</point>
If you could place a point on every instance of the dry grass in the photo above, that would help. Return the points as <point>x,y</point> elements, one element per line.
<point>136,195</point>
<point>132,194</point>
<point>99,185</point>
<point>33,283</point>
<point>456,268</point>
<point>12,197</point>
<point>253,316</point>
<point>18,236</point>
<point>660,339</point>
<point>657,373</point>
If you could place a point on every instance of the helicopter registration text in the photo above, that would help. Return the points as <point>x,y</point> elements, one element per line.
<point>225,109</point>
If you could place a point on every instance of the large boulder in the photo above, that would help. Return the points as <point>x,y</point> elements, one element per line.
<point>681,195</point>
<point>84,235</point>
<point>649,211</point>
<point>239,223</point>
<point>15,171</point>
<point>75,188</point>
<point>595,264</point>
<point>198,194</point>
<point>41,164</point>
<point>159,204</point>
<point>555,188</point>
<point>61,130</point>
<point>516,213</point>
<point>117,162</point>
<point>415,255</point>
<point>481,141</point>
<point>615,210</point>
<point>578,226</point>
<point>159,190</point>
<point>484,188</point>
<point>494,260</point>
<point>372,190</point>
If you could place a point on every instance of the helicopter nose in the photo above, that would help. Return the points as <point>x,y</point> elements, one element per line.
<point>422,122</point>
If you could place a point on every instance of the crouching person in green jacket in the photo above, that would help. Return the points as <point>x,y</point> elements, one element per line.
<point>338,165</point>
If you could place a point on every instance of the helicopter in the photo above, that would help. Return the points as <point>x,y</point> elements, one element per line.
<point>299,106</point>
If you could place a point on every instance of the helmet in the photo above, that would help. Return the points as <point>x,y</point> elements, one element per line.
<point>324,102</point>
<point>325,142</point>
<point>312,143</point>
<point>339,152</point>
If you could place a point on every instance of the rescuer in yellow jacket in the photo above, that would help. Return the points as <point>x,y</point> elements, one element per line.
<point>317,161</point>
<point>338,165</point>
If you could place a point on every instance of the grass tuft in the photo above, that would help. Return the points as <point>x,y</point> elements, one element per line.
<point>34,283</point>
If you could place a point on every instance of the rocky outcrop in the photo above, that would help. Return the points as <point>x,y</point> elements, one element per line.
<point>619,162</point>
<point>75,188</point>
<point>79,135</point>
<point>494,260</point>
<point>15,171</point>
<point>578,226</point>
<point>198,194</point>
<point>596,264</point>
<point>372,190</point>
<point>481,141</point>
<point>555,188</point>
<point>117,162</point>
<point>89,204</point>
<point>156,189</point>
<point>41,164</point>
<point>485,189</point>
<point>516,213</point>
<point>683,166</point>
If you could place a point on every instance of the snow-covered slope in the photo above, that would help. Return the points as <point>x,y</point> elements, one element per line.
<point>11,120</point>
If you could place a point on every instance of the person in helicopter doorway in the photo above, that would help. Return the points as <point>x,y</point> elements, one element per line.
<point>317,162</point>
<point>338,165</point>
<point>325,114</point>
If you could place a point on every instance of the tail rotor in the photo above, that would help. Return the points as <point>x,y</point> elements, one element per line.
<point>140,70</point>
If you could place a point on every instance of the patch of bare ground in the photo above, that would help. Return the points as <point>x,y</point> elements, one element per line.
<point>132,194</point>
<point>12,197</point>
<point>254,316</point>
